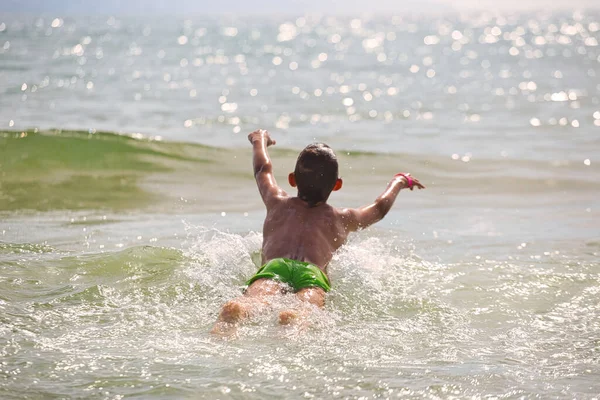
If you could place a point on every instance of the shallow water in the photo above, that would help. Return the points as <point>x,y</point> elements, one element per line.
<point>118,247</point>
<point>135,322</point>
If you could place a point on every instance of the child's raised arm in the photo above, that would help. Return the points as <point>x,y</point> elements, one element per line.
<point>359,218</point>
<point>263,168</point>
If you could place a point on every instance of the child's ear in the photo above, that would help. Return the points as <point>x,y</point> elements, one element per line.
<point>292,179</point>
<point>338,184</point>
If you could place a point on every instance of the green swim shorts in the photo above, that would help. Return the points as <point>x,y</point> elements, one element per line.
<point>297,274</point>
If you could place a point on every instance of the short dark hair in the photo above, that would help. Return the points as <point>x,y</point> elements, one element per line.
<point>316,173</point>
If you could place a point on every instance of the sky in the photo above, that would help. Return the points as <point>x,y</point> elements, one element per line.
<point>182,7</point>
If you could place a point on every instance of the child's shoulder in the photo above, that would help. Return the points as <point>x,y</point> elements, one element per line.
<point>342,213</point>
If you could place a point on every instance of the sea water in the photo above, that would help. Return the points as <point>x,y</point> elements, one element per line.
<point>129,214</point>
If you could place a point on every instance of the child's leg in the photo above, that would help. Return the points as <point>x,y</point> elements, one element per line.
<point>255,297</point>
<point>311,295</point>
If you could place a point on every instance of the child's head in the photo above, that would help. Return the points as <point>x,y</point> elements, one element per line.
<point>316,174</point>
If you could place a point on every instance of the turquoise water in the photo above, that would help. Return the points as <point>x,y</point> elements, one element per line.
<point>129,215</point>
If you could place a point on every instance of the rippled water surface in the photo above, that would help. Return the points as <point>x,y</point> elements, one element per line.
<point>129,215</point>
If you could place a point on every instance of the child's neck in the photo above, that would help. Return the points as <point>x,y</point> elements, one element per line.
<point>319,203</point>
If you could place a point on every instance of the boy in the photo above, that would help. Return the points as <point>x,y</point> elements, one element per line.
<point>300,234</point>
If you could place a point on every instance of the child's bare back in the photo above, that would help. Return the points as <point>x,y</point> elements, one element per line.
<point>301,233</point>
<point>316,232</point>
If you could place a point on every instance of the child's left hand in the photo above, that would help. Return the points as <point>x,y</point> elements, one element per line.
<point>409,181</point>
<point>260,134</point>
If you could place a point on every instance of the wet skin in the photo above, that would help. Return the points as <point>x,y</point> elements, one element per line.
<point>292,229</point>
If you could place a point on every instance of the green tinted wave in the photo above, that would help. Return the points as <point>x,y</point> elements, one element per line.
<point>79,170</point>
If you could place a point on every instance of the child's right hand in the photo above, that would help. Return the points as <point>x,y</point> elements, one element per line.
<point>260,134</point>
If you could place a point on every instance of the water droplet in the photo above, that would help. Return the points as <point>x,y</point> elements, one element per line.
<point>229,107</point>
<point>230,31</point>
<point>431,40</point>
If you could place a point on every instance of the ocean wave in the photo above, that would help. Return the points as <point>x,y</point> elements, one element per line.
<point>58,170</point>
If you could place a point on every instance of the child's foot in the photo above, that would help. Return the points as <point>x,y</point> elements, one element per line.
<point>224,329</point>
<point>288,317</point>
<point>295,322</point>
<point>233,312</point>
<point>294,317</point>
